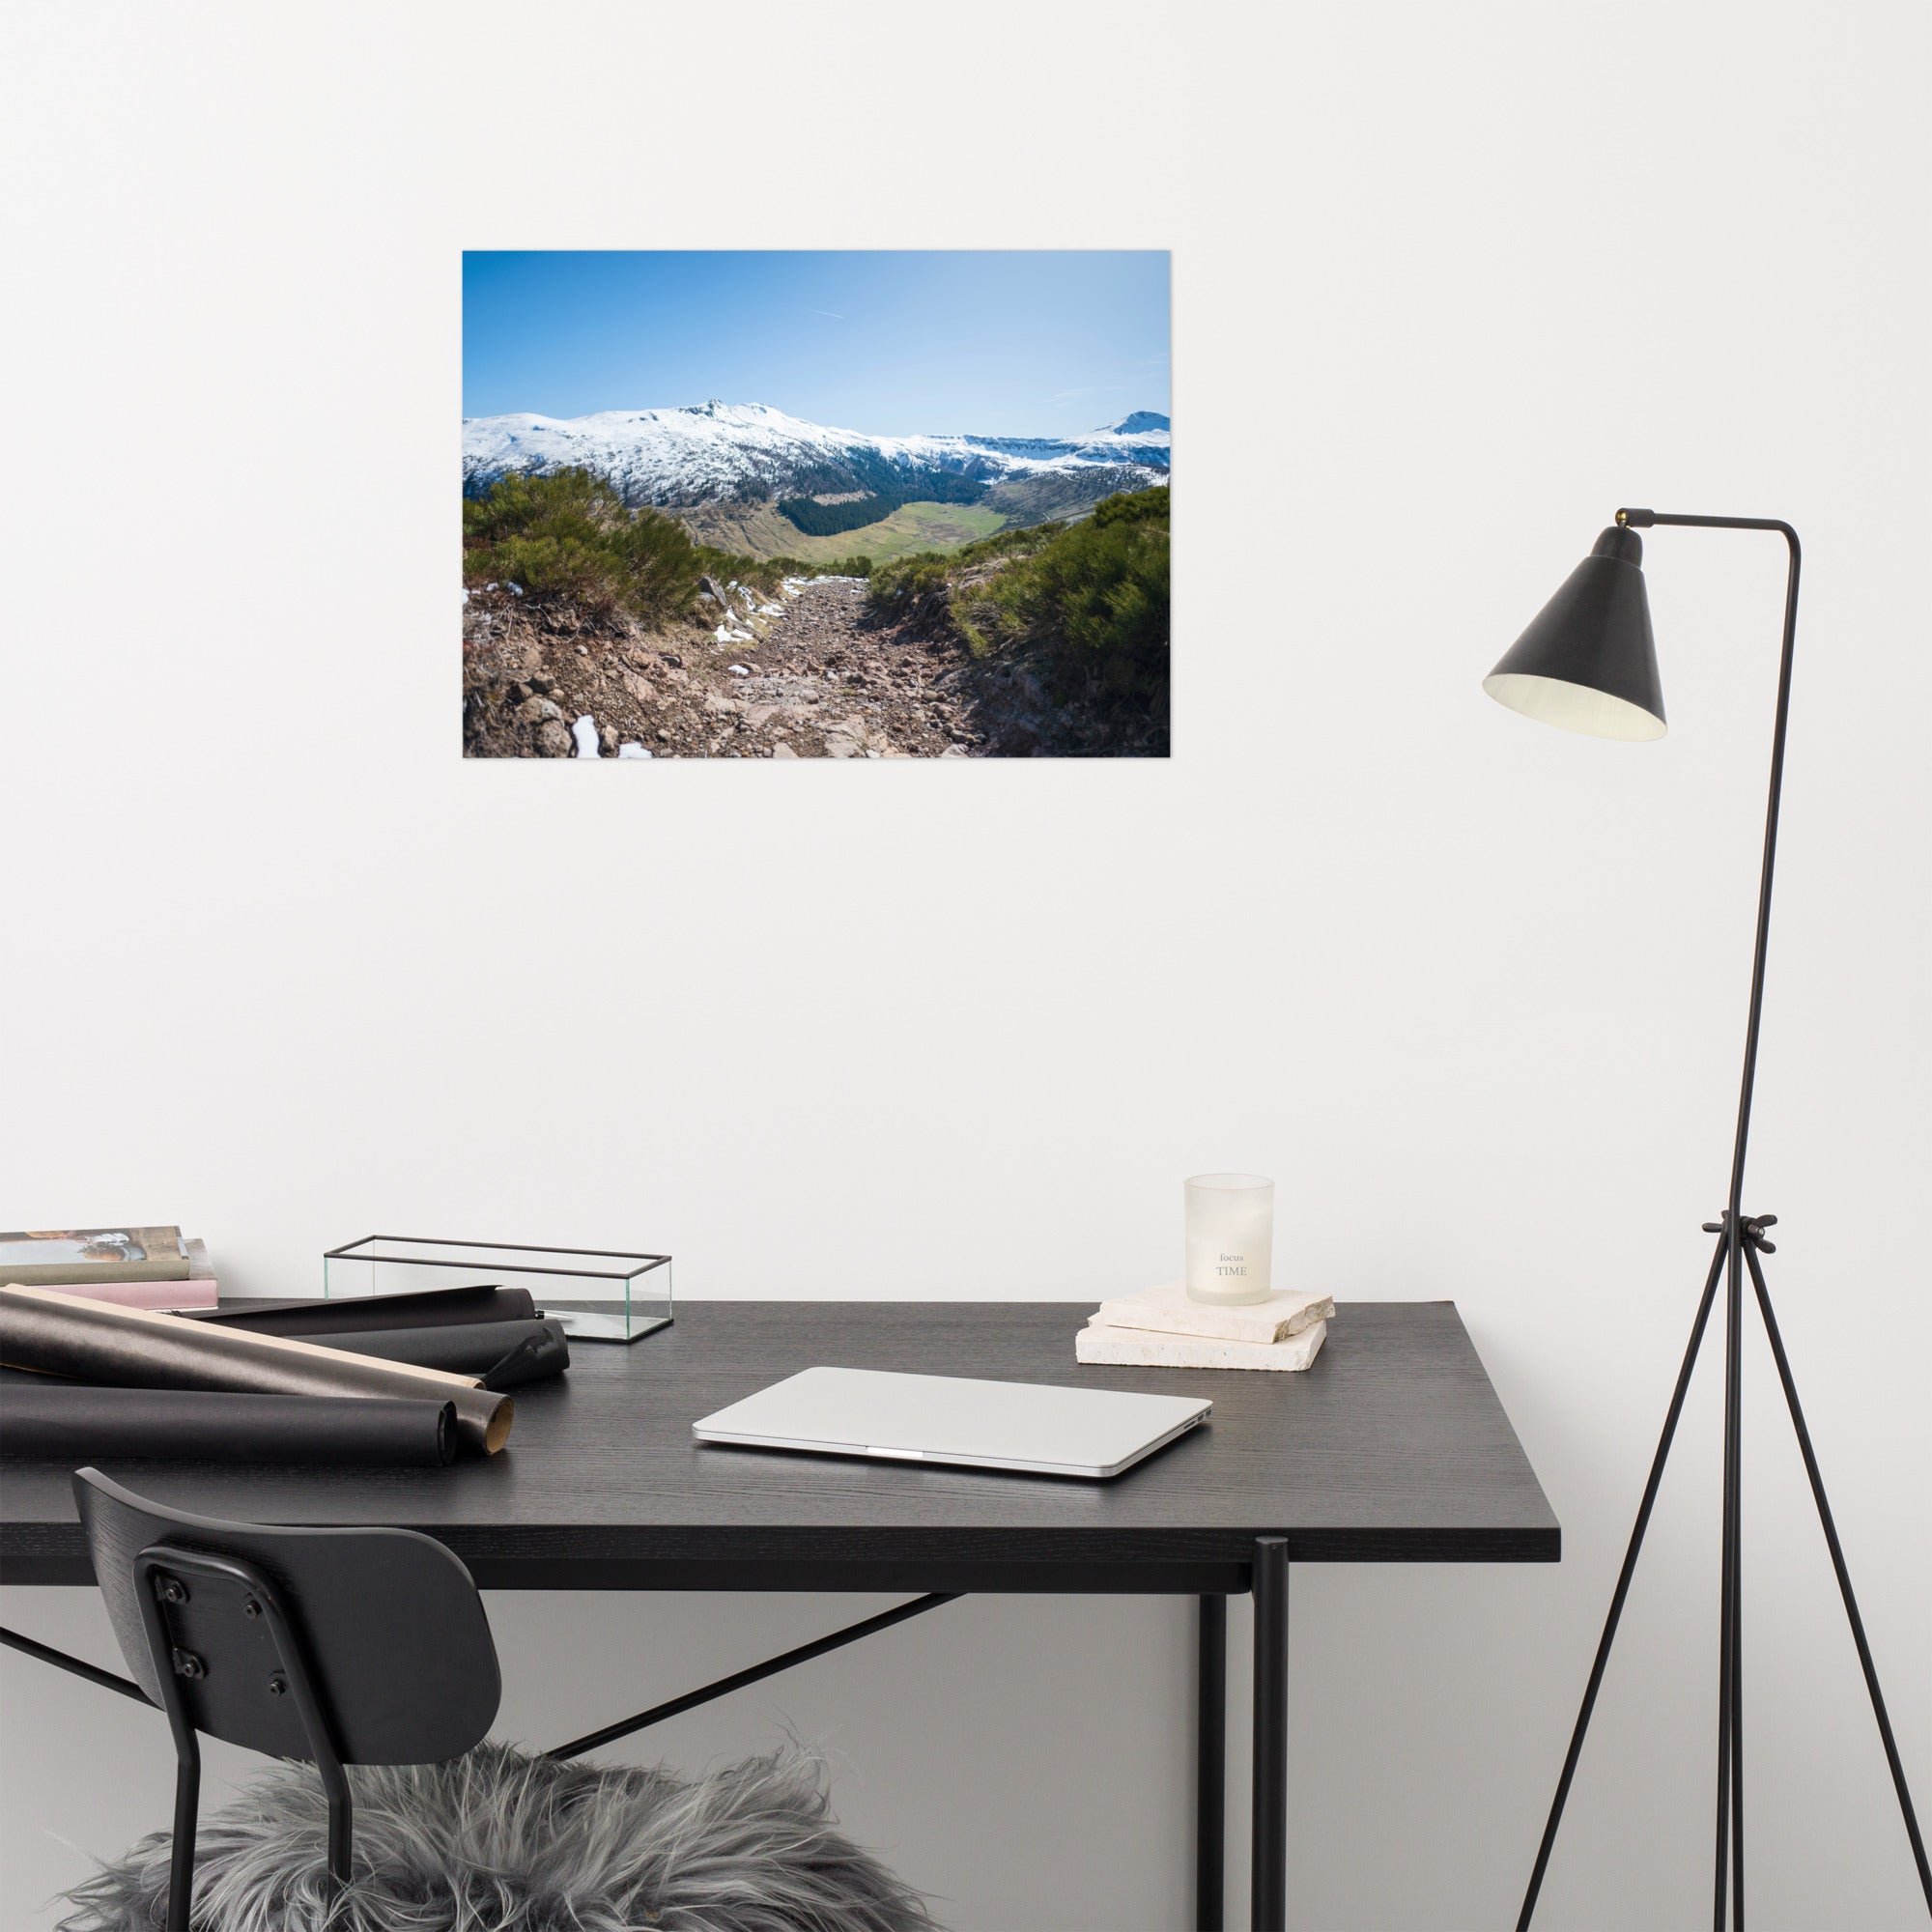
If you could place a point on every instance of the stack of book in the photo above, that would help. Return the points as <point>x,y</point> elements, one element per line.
<point>131,1267</point>
<point>1162,1328</point>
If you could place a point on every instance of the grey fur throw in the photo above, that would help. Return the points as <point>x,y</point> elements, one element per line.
<point>496,1841</point>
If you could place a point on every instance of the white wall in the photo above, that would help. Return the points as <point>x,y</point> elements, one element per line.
<point>1450,284</point>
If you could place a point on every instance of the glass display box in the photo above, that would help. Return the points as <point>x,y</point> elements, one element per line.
<point>598,1296</point>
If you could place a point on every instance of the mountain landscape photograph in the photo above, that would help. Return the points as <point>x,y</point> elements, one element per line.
<point>761,504</point>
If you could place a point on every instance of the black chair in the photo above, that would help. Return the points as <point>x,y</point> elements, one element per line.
<point>330,1646</point>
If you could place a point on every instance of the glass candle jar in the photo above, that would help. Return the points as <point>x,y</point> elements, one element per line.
<point>1229,1237</point>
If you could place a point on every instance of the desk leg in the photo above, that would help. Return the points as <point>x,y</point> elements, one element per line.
<point>1210,1767</point>
<point>1269,1892</point>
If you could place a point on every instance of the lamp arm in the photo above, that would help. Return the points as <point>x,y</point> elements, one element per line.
<point>1643,520</point>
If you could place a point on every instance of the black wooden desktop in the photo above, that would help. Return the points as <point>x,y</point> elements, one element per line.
<point>1392,1447</point>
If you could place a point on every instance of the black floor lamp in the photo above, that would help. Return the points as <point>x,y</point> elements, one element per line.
<point>1587,663</point>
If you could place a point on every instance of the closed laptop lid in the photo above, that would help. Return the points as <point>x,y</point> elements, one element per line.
<point>954,1419</point>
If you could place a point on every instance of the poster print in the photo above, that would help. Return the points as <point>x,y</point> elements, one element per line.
<point>815,506</point>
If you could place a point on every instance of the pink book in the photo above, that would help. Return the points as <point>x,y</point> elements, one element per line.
<point>161,1295</point>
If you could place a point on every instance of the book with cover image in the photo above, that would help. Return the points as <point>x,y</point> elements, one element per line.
<point>57,1256</point>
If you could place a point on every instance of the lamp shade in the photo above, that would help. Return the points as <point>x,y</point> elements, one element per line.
<point>1589,662</point>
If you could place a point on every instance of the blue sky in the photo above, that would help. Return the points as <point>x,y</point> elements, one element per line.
<point>961,341</point>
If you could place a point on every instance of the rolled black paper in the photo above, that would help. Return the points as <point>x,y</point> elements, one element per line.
<point>138,1348</point>
<point>363,1314</point>
<point>465,1348</point>
<point>72,1424</point>
<point>524,1363</point>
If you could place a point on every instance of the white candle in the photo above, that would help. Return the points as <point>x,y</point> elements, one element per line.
<point>1229,1237</point>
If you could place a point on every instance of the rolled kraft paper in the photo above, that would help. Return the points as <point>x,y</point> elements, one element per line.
<point>69,1423</point>
<point>465,1349</point>
<point>135,1348</point>
<point>364,1314</point>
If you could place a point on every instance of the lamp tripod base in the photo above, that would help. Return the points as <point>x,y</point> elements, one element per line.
<point>1741,1241</point>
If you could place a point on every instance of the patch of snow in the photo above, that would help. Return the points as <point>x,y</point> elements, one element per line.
<point>584,732</point>
<point>771,609</point>
<point>672,456</point>
<point>465,597</point>
<point>739,670</point>
<point>629,751</point>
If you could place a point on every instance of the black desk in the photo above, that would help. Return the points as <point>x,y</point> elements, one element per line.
<point>1392,1448</point>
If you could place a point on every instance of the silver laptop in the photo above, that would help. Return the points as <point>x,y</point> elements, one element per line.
<point>1044,1432</point>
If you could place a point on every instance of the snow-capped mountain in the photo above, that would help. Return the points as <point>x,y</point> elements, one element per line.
<point>749,450</point>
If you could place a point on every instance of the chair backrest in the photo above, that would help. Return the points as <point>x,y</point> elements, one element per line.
<point>391,1632</point>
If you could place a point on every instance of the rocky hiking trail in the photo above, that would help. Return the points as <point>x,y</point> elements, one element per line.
<point>802,674</point>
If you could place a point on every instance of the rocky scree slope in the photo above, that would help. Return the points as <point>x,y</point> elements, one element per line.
<point>803,673</point>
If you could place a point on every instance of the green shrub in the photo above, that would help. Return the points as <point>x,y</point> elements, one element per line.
<point>1089,598</point>
<point>1021,541</point>
<point>1099,597</point>
<point>1141,506</point>
<point>569,534</point>
<point>893,588</point>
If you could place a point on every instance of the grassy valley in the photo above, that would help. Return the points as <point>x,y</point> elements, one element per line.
<point>920,526</point>
<point>762,529</point>
<point>758,531</point>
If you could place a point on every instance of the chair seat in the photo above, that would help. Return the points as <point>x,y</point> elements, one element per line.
<point>499,1841</point>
